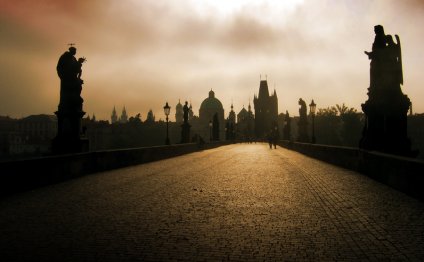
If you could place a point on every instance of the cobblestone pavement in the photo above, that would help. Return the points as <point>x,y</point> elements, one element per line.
<point>237,202</point>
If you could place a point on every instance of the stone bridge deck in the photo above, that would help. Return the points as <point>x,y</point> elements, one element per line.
<point>237,202</point>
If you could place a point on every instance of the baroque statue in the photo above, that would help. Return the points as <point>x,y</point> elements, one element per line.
<point>386,109</point>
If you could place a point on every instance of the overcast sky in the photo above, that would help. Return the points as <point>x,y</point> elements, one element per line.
<point>142,53</point>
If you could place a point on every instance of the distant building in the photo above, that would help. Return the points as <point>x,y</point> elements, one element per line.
<point>230,126</point>
<point>122,119</point>
<point>179,113</point>
<point>36,133</point>
<point>245,124</point>
<point>114,118</point>
<point>150,117</point>
<point>232,116</point>
<point>209,107</point>
<point>124,116</point>
<point>40,126</point>
<point>242,115</point>
<point>266,110</point>
<point>8,135</point>
<point>99,133</point>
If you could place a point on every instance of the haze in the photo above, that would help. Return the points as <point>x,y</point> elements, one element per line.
<point>143,53</point>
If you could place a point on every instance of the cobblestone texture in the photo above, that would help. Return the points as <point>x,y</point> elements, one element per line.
<point>237,202</point>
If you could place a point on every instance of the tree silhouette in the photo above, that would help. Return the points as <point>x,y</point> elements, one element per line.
<point>327,126</point>
<point>135,119</point>
<point>338,125</point>
<point>351,125</point>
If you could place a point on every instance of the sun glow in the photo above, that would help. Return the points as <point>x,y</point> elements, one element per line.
<point>231,7</point>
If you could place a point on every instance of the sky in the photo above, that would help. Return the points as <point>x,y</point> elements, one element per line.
<point>142,53</point>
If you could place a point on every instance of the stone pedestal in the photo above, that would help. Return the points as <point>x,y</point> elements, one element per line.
<point>286,132</point>
<point>303,131</point>
<point>385,127</point>
<point>68,139</point>
<point>185,132</point>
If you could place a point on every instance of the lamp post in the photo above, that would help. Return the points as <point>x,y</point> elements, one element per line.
<point>312,108</point>
<point>166,110</point>
<point>210,130</point>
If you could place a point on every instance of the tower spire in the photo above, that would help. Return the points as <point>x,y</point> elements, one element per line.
<point>114,116</point>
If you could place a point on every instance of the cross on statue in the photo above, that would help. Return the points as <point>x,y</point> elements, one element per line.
<point>71,44</point>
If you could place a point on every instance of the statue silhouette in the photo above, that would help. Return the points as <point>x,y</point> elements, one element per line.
<point>186,110</point>
<point>185,127</point>
<point>302,109</point>
<point>376,72</point>
<point>303,122</point>
<point>69,70</point>
<point>386,108</point>
<point>69,114</point>
<point>393,63</point>
<point>386,63</point>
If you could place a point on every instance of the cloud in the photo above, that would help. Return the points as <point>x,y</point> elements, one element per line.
<point>245,33</point>
<point>141,53</point>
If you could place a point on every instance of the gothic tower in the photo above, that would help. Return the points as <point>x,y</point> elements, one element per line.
<point>266,110</point>
<point>114,117</point>
<point>230,126</point>
<point>232,116</point>
<point>250,120</point>
<point>124,116</point>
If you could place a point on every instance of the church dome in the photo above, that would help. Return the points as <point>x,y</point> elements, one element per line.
<point>211,103</point>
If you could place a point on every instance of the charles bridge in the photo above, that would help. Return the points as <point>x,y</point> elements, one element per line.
<point>221,201</point>
<point>242,202</point>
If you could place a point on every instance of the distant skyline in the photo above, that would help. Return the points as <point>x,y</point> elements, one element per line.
<point>142,53</point>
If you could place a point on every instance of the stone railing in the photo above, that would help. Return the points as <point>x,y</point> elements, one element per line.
<point>22,175</point>
<point>402,173</point>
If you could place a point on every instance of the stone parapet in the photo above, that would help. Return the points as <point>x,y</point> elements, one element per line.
<point>402,173</point>
<point>21,175</point>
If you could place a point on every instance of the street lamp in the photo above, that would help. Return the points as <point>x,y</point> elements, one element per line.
<point>210,130</point>
<point>166,110</point>
<point>312,108</point>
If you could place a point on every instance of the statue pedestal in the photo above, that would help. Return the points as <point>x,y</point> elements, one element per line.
<point>303,131</point>
<point>185,132</point>
<point>385,129</point>
<point>286,133</point>
<point>68,139</point>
